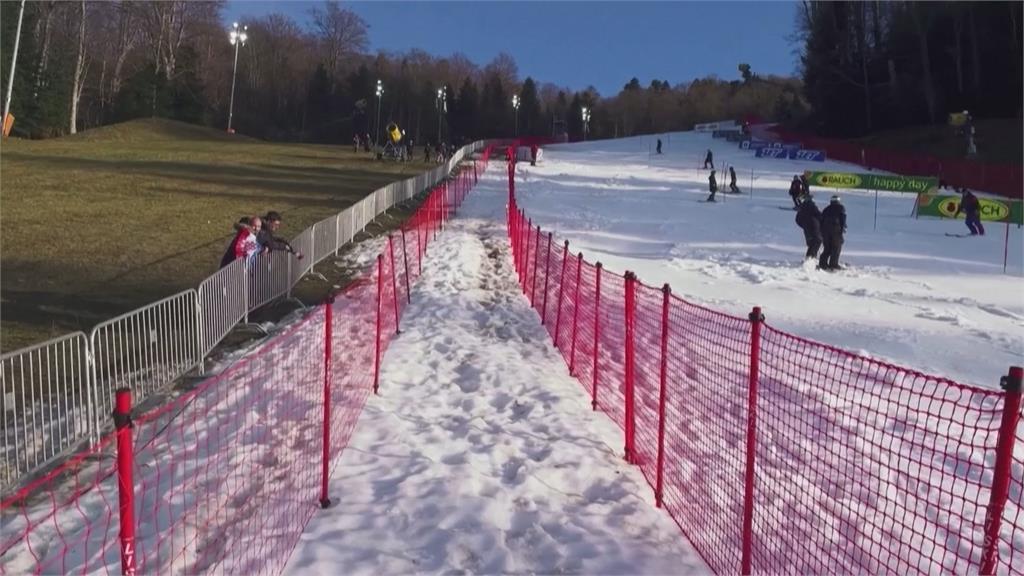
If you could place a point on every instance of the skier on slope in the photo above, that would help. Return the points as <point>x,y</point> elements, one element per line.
<point>808,218</point>
<point>971,207</point>
<point>795,191</point>
<point>712,186</point>
<point>709,159</point>
<point>732,181</point>
<point>659,145</point>
<point>833,226</point>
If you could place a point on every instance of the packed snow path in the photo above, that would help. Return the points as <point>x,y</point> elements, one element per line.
<point>482,455</point>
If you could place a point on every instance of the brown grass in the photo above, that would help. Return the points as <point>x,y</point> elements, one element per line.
<point>97,224</point>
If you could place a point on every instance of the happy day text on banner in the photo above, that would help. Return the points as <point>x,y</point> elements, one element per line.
<point>880,182</point>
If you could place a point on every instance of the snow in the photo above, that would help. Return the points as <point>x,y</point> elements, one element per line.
<point>911,295</point>
<point>481,455</point>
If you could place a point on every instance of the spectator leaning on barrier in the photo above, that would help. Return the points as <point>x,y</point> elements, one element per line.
<point>244,244</point>
<point>267,235</point>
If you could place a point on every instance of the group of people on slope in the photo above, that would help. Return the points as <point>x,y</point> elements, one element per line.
<point>713,184</point>
<point>254,236</point>
<point>822,228</point>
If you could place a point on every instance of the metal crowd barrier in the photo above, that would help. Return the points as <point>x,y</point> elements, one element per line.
<point>58,393</point>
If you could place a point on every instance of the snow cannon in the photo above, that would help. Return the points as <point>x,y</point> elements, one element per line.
<point>394,133</point>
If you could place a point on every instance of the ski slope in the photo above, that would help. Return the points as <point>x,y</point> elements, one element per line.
<point>481,455</point>
<point>911,295</point>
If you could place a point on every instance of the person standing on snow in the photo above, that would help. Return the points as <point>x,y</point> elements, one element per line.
<point>971,207</point>
<point>833,226</point>
<point>795,191</point>
<point>659,145</point>
<point>712,186</point>
<point>709,159</point>
<point>808,218</point>
<point>732,181</point>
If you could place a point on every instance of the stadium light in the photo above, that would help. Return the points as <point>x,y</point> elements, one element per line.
<point>380,92</point>
<point>442,108</point>
<point>238,37</point>
<point>585,113</point>
<point>515,104</point>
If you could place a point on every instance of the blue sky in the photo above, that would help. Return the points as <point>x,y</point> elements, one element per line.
<point>577,44</point>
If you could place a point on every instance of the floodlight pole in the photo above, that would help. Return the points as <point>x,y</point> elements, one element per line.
<point>238,38</point>
<point>14,61</point>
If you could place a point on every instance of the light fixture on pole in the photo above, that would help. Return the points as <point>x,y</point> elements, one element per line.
<point>585,113</point>
<point>238,38</point>
<point>515,104</point>
<point>442,108</point>
<point>380,92</point>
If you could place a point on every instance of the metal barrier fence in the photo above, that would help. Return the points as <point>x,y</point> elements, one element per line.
<point>46,405</point>
<point>152,346</point>
<point>777,454</point>
<point>222,304</point>
<point>224,478</point>
<point>143,350</point>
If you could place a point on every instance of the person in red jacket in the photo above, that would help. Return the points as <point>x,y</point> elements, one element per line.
<point>244,244</point>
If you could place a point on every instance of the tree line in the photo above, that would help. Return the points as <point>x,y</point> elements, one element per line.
<point>88,63</point>
<point>868,66</point>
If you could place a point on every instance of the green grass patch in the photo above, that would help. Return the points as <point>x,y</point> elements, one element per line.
<point>100,223</point>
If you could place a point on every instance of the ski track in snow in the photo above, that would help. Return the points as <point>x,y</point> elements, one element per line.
<point>482,455</point>
<point>911,295</point>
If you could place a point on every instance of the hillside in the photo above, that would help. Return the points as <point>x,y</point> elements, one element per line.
<point>104,221</point>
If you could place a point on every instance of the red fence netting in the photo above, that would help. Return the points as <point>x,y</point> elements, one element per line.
<point>777,454</point>
<point>1003,179</point>
<point>226,475</point>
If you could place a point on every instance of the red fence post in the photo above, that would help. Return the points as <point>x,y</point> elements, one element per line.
<point>561,291</point>
<point>1011,383</point>
<point>326,459</point>
<point>756,319</point>
<point>405,260</point>
<point>575,315</point>
<point>394,280</point>
<point>419,244</point>
<point>597,336</point>
<point>666,292</point>
<point>380,295</point>
<point>125,479</point>
<point>536,255</point>
<point>547,274</point>
<point>526,255</point>
<point>630,346</point>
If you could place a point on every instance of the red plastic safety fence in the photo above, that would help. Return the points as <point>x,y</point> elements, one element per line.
<point>776,454</point>
<point>224,478</point>
<point>1003,179</point>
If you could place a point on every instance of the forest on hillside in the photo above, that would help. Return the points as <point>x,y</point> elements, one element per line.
<point>865,66</point>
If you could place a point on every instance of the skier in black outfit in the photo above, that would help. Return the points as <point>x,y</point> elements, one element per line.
<point>795,191</point>
<point>833,226</point>
<point>709,159</point>
<point>659,145</point>
<point>805,186</point>
<point>712,186</point>
<point>732,181</point>
<point>971,207</point>
<point>808,218</point>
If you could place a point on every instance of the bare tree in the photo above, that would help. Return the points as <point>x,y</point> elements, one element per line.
<point>340,31</point>
<point>79,79</point>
